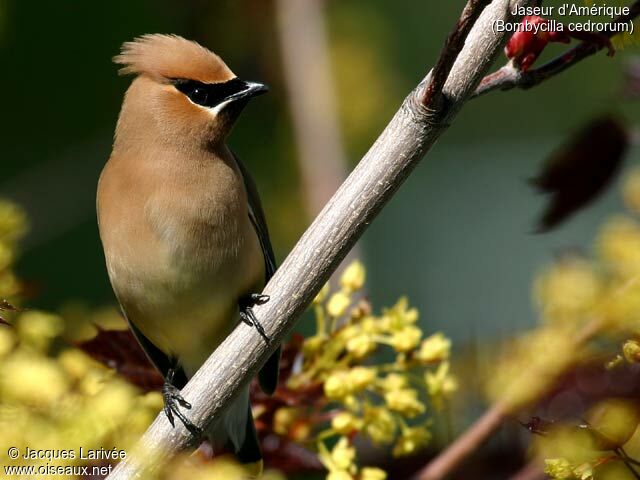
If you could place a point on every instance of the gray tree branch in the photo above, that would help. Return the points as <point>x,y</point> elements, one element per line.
<point>406,139</point>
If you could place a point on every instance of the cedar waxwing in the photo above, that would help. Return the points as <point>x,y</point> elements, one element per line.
<point>184,235</point>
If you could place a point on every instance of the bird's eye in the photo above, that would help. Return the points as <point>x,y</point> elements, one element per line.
<point>198,95</point>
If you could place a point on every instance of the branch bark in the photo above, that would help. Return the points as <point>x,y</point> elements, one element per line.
<point>452,47</point>
<point>509,76</point>
<point>406,139</point>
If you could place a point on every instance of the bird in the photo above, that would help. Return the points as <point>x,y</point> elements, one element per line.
<point>184,235</point>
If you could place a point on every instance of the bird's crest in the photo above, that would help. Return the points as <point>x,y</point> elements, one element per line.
<point>171,57</point>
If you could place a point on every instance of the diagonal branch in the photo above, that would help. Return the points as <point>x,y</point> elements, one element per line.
<point>452,47</point>
<point>509,76</point>
<point>405,140</point>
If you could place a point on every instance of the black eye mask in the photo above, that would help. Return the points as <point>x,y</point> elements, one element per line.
<point>211,94</point>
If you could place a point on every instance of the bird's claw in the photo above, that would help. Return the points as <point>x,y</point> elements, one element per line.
<point>247,315</point>
<point>173,400</point>
<point>259,298</point>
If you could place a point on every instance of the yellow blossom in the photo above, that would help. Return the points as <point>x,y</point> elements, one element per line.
<point>360,378</point>
<point>339,475</point>
<point>558,469</point>
<point>284,418</point>
<point>379,424</point>
<point>406,339</point>
<point>404,401</point>
<point>567,289</point>
<point>411,441</point>
<point>6,255</point>
<point>372,473</point>
<point>361,345</point>
<point>434,348</point>
<point>352,279</point>
<point>631,351</point>
<point>614,362</point>
<point>39,328</point>
<point>76,363</point>
<point>400,315</point>
<point>24,375</point>
<point>543,353</point>
<point>394,381</point>
<point>371,325</point>
<point>13,221</point>
<point>336,386</point>
<point>343,454</point>
<point>349,332</point>
<point>7,340</point>
<point>313,344</point>
<point>322,294</point>
<point>613,421</point>
<point>440,385</point>
<point>338,304</point>
<point>9,285</point>
<point>619,246</point>
<point>344,423</point>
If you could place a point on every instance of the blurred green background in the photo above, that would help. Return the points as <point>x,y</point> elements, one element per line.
<point>456,238</point>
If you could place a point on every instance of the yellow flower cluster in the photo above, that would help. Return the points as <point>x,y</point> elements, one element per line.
<point>56,398</point>
<point>598,449</point>
<point>58,407</point>
<point>340,462</point>
<point>372,398</point>
<point>586,304</point>
<point>580,299</point>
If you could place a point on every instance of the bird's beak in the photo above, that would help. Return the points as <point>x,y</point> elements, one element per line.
<point>252,89</point>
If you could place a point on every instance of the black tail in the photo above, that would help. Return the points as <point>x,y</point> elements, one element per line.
<point>249,451</point>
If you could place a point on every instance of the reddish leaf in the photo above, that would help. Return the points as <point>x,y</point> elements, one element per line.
<point>578,172</point>
<point>525,46</point>
<point>288,456</point>
<point>118,349</point>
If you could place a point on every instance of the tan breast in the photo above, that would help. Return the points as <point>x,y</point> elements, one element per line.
<point>179,246</point>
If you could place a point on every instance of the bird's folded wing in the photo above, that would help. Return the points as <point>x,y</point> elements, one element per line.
<point>268,376</point>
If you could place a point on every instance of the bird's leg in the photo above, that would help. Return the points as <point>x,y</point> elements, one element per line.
<point>246,305</point>
<point>173,400</point>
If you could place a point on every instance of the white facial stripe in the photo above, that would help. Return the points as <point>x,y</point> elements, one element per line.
<point>215,110</point>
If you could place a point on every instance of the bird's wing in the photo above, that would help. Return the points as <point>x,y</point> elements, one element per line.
<point>159,359</point>
<point>268,376</point>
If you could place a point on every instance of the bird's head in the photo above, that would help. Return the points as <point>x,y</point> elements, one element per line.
<point>183,93</point>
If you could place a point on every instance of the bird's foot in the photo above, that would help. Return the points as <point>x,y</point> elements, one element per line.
<point>173,400</point>
<point>246,305</point>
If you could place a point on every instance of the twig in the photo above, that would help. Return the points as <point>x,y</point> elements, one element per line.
<point>466,444</point>
<point>510,76</point>
<point>452,47</point>
<point>405,140</point>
